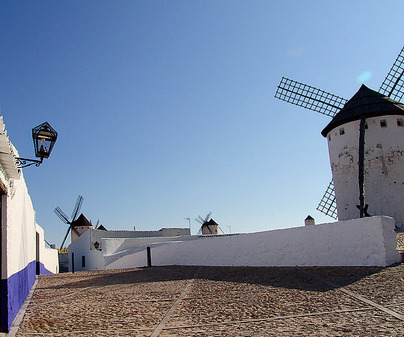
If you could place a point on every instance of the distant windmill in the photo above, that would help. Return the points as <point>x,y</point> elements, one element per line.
<point>97,224</point>
<point>62,216</point>
<point>208,226</point>
<point>373,171</point>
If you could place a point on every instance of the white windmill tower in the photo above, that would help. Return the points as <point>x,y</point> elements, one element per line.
<point>366,145</point>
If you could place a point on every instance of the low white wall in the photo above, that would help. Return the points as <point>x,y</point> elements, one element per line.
<point>111,246</point>
<point>47,256</point>
<point>93,258</point>
<point>359,242</point>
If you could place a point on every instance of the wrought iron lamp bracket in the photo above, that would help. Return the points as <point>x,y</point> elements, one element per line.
<point>22,162</point>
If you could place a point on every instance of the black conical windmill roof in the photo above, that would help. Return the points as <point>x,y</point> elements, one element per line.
<point>81,221</point>
<point>365,103</point>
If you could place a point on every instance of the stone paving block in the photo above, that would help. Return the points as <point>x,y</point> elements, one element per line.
<point>381,285</point>
<point>367,323</point>
<point>221,301</point>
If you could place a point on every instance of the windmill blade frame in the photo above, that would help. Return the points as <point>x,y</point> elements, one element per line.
<point>328,204</point>
<point>199,221</point>
<point>207,217</point>
<point>67,233</point>
<point>61,215</point>
<point>393,84</point>
<point>77,207</point>
<point>309,97</point>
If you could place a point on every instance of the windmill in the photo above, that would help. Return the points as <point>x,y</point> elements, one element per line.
<point>372,171</point>
<point>96,225</point>
<point>208,226</point>
<point>62,216</point>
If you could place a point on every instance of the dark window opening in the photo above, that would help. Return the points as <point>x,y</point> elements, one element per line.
<point>383,123</point>
<point>83,261</point>
<point>38,262</point>
<point>341,131</point>
<point>400,122</point>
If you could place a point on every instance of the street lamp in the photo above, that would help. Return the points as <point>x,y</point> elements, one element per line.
<point>44,138</point>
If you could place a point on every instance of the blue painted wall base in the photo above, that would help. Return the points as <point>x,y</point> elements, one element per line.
<point>15,290</point>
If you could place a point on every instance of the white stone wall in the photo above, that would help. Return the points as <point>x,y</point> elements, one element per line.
<point>47,256</point>
<point>384,162</point>
<point>112,246</point>
<point>359,242</point>
<point>19,237</point>
<point>20,227</point>
<point>20,231</point>
<point>112,242</point>
<point>94,259</point>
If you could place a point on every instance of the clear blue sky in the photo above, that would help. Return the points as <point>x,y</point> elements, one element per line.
<point>166,109</point>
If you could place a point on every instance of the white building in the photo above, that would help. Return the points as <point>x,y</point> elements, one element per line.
<point>381,161</point>
<point>95,248</point>
<point>22,245</point>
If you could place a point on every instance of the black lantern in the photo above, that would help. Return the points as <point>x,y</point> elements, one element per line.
<point>44,138</point>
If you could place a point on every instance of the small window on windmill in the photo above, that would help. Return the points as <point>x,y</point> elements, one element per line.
<point>341,131</point>
<point>329,137</point>
<point>400,122</point>
<point>383,123</point>
<point>366,125</point>
<point>83,261</point>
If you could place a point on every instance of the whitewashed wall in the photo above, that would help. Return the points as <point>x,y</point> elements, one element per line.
<point>384,174</point>
<point>19,236</point>
<point>20,227</point>
<point>359,242</point>
<point>94,259</point>
<point>19,253</point>
<point>115,242</point>
<point>47,256</point>
<point>116,245</point>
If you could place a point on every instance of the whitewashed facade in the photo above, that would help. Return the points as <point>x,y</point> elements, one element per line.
<point>359,242</point>
<point>22,246</point>
<point>383,156</point>
<point>95,248</point>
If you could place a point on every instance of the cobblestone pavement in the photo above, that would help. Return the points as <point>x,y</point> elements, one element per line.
<point>219,301</point>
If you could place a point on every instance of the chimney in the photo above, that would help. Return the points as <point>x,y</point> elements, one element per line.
<point>309,221</point>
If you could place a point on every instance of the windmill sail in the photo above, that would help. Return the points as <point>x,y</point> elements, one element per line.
<point>393,84</point>
<point>63,242</point>
<point>327,204</point>
<point>62,216</point>
<point>77,207</point>
<point>309,97</point>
